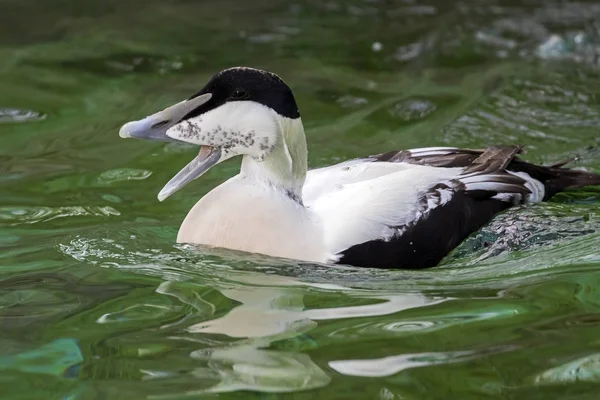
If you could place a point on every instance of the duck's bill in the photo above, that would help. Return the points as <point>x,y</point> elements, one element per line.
<point>207,157</point>
<point>155,126</point>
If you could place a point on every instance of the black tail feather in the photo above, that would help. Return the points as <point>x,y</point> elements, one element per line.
<point>569,179</point>
<point>555,177</point>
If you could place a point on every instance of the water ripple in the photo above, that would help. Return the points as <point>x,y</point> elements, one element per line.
<point>11,115</point>
<point>17,215</point>
<point>386,366</point>
<point>137,312</point>
<point>585,369</point>
<point>123,174</point>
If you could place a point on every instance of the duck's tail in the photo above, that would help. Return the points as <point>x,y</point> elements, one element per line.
<point>556,178</point>
<point>565,178</point>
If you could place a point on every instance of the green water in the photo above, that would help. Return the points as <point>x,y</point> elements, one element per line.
<point>96,300</point>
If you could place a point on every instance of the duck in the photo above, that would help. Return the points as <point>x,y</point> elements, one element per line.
<point>401,209</point>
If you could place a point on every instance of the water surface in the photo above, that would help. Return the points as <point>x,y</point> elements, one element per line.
<point>96,300</point>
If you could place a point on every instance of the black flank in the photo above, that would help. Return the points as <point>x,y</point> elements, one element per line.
<point>427,242</point>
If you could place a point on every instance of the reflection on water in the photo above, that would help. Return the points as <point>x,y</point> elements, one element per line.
<point>248,314</point>
<point>393,364</point>
<point>61,358</point>
<point>268,309</point>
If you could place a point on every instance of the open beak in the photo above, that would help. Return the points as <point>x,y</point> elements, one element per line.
<point>155,126</point>
<point>206,158</point>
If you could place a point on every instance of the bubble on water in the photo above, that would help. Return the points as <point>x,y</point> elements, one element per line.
<point>128,64</point>
<point>408,52</point>
<point>420,10</point>
<point>386,394</point>
<point>554,47</point>
<point>120,66</point>
<point>265,38</point>
<point>411,109</point>
<point>574,46</point>
<point>377,46</point>
<point>287,30</point>
<point>352,101</point>
<point>495,40</point>
<point>579,38</point>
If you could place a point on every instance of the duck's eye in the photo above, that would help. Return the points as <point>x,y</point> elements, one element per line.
<point>239,94</point>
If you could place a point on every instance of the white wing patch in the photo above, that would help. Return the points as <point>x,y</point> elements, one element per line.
<point>379,208</point>
<point>323,180</point>
<point>320,182</point>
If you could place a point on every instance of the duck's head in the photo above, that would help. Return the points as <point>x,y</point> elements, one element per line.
<point>240,111</point>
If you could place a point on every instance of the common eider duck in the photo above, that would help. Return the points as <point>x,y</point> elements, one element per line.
<point>400,209</point>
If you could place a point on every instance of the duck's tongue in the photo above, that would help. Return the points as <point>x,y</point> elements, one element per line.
<point>206,158</point>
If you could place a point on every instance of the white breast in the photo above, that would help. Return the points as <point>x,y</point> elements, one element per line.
<point>249,216</point>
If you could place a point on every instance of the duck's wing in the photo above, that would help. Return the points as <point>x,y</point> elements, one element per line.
<point>413,215</point>
<point>321,181</point>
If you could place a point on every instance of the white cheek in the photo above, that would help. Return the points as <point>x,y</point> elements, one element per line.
<point>236,127</point>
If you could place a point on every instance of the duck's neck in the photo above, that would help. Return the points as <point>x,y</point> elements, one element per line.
<point>261,210</point>
<point>284,169</point>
